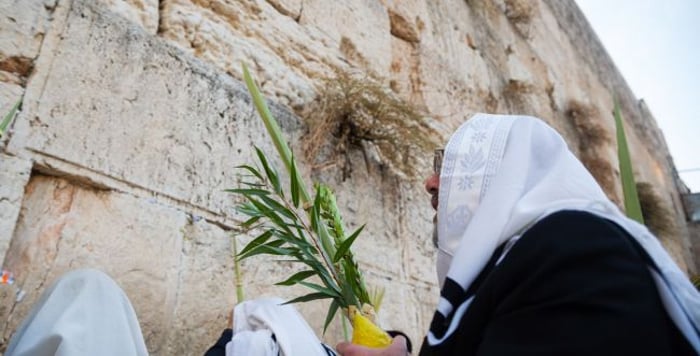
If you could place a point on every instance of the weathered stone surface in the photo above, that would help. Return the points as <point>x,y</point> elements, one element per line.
<point>291,8</point>
<point>23,25</point>
<point>14,175</point>
<point>360,28</point>
<point>417,228</point>
<point>141,12</point>
<point>136,110</point>
<point>374,203</point>
<point>205,289</point>
<point>403,28</point>
<point>10,94</point>
<point>63,226</point>
<point>226,34</point>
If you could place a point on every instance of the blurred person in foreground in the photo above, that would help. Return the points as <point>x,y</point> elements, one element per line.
<point>533,258</point>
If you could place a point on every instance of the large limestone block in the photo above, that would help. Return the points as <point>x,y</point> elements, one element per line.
<point>141,12</point>
<point>284,54</point>
<point>62,226</point>
<point>14,175</point>
<point>23,24</point>
<point>138,111</point>
<point>205,289</point>
<point>416,217</point>
<point>10,94</point>
<point>361,29</point>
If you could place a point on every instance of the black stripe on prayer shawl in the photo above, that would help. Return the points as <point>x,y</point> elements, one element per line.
<point>454,294</point>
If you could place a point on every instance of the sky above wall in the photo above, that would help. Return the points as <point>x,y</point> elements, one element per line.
<point>656,46</point>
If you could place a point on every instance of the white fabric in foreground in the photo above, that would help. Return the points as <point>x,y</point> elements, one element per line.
<point>254,323</point>
<point>501,174</point>
<point>83,313</point>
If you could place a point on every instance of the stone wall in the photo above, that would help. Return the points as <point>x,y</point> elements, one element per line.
<point>133,119</point>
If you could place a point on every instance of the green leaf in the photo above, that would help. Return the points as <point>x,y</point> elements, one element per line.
<point>629,188</point>
<point>297,277</point>
<point>8,118</point>
<point>291,239</point>
<point>276,206</point>
<point>270,214</point>
<point>348,295</point>
<point>259,192</point>
<point>345,246</point>
<point>294,185</point>
<point>248,223</point>
<point>249,209</point>
<point>270,171</point>
<point>268,250</point>
<point>251,170</point>
<point>259,240</point>
<point>320,227</point>
<point>308,298</point>
<point>321,289</point>
<point>322,272</point>
<point>332,310</point>
<point>253,184</point>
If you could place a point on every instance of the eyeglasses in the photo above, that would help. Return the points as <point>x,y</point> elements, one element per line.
<point>437,161</point>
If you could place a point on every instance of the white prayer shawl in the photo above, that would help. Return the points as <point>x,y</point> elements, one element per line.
<point>83,313</point>
<point>500,175</point>
<point>256,321</point>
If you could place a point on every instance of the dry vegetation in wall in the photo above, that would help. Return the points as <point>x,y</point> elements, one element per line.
<point>593,140</point>
<point>353,111</point>
<point>657,214</point>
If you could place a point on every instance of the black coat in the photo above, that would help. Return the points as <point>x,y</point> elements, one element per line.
<point>574,284</point>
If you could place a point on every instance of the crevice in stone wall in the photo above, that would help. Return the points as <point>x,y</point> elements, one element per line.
<point>402,28</point>
<point>520,14</point>
<point>301,11</point>
<point>161,18</point>
<point>284,10</point>
<point>18,68</point>
<point>96,180</point>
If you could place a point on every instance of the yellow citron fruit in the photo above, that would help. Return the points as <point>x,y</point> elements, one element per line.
<point>365,333</point>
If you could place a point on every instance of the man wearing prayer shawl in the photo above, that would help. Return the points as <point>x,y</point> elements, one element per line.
<point>534,259</point>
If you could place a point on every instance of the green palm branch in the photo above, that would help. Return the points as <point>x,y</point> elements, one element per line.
<point>296,226</point>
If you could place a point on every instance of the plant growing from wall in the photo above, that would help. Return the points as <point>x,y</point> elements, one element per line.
<point>629,187</point>
<point>594,140</point>
<point>659,221</point>
<point>657,214</point>
<point>297,226</point>
<point>354,111</point>
<point>695,279</point>
<point>8,118</point>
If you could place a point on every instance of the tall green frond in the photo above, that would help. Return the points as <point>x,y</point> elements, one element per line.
<point>629,188</point>
<point>272,128</point>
